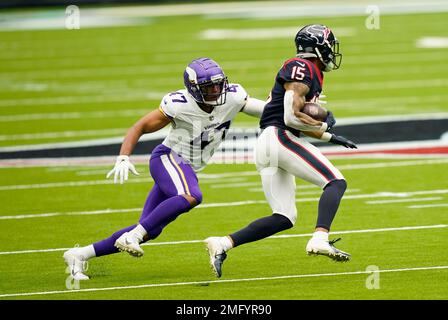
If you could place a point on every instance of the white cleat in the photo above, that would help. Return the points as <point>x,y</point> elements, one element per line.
<point>323,247</point>
<point>129,243</point>
<point>76,264</point>
<point>217,254</point>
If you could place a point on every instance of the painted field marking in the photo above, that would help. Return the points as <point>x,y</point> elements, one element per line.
<point>403,200</point>
<point>62,134</point>
<point>208,282</point>
<point>229,204</point>
<point>76,213</point>
<point>261,33</point>
<point>235,185</point>
<point>90,183</point>
<point>432,42</point>
<point>224,175</point>
<point>428,206</point>
<point>72,115</point>
<point>69,184</point>
<point>436,226</point>
<point>141,96</point>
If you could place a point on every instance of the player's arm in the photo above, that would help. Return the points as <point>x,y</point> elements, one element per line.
<point>294,101</point>
<point>254,107</point>
<point>153,121</point>
<point>332,138</point>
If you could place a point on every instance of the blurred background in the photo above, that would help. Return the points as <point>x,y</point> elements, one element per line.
<point>87,70</point>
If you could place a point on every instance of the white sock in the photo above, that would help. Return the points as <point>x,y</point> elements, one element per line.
<point>139,231</point>
<point>226,243</point>
<point>321,235</point>
<point>87,252</point>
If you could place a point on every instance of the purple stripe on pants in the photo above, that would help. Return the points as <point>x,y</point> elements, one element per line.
<point>164,202</point>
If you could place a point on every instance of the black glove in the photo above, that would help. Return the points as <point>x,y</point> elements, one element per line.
<point>330,120</point>
<point>342,141</point>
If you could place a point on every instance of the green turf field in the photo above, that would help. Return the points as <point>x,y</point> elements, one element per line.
<point>396,249</point>
<point>70,85</point>
<point>67,85</point>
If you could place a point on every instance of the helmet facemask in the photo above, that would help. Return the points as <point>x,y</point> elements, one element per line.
<point>206,82</point>
<point>213,92</point>
<point>330,56</point>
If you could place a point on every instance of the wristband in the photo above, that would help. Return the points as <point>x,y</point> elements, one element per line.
<point>324,126</point>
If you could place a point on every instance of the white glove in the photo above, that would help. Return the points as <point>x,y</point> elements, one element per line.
<point>122,167</point>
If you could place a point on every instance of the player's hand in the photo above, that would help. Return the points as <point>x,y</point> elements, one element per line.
<point>330,120</point>
<point>343,141</point>
<point>121,169</point>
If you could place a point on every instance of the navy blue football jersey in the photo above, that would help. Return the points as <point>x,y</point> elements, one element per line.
<point>295,69</point>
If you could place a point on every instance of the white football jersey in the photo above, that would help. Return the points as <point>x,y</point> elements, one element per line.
<point>195,134</point>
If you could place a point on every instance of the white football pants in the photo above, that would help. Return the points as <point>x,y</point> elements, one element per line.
<point>280,157</point>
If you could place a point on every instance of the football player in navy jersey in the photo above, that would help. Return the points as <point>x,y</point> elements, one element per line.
<point>281,153</point>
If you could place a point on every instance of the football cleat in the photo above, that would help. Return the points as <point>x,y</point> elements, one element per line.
<point>76,264</point>
<point>326,248</point>
<point>129,243</point>
<point>217,254</point>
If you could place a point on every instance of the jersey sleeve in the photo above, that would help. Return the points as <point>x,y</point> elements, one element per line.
<point>167,108</point>
<point>239,94</point>
<point>172,104</point>
<point>296,70</point>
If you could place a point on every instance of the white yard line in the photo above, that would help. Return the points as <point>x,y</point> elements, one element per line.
<point>232,204</point>
<point>221,175</point>
<point>436,226</point>
<point>141,95</point>
<point>208,282</point>
<point>63,134</point>
<point>235,185</point>
<point>432,42</point>
<point>72,115</point>
<point>403,200</point>
<point>76,213</point>
<point>342,167</point>
<point>70,184</point>
<point>135,95</point>
<point>428,206</point>
<point>262,33</point>
<point>110,181</point>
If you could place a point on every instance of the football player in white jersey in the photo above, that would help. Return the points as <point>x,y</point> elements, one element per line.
<point>200,116</point>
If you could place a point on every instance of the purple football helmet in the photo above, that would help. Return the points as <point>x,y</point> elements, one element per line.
<point>206,82</point>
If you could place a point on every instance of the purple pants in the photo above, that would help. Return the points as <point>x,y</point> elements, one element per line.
<point>173,177</point>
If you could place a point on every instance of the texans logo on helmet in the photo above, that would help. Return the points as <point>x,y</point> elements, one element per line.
<point>315,30</point>
<point>327,32</point>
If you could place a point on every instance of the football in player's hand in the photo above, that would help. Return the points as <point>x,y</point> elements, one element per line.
<point>315,111</point>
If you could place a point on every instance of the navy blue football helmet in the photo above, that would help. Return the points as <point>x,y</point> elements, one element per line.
<point>318,41</point>
<point>206,82</point>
